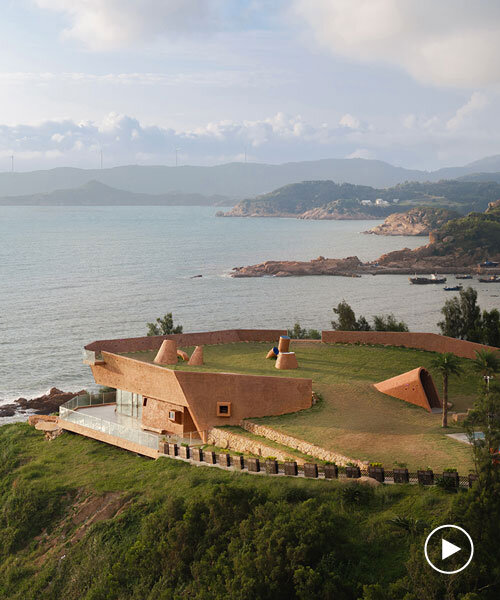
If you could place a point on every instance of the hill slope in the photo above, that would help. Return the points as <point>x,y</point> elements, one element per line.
<point>95,193</point>
<point>329,200</point>
<point>83,520</point>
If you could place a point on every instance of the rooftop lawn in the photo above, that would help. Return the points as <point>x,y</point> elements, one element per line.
<point>353,418</point>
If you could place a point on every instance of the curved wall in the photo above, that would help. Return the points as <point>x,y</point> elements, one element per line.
<point>432,342</point>
<point>225,336</point>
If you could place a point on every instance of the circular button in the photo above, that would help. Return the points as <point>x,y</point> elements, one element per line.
<point>453,541</point>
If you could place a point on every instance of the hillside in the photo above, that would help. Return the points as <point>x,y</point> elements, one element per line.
<point>329,200</point>
<point>238,180</point>
<point>95,193</point>
<point>417,221</point>
<point>477,234</point>
<point>81,520</point>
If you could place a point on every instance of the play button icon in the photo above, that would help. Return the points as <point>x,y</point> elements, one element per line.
<point>440,549</point>
<point>448,549</point>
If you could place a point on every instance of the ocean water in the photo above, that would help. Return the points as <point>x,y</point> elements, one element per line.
<point>71,275</point>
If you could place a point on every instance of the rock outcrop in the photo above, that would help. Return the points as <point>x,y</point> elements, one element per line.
<point>417,221</point>
<point>42,405</point>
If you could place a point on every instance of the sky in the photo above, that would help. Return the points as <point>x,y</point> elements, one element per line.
<point>412,82</point>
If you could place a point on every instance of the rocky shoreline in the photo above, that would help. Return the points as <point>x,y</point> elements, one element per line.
<point>42,405</point>
<point>401,262</point>
<point>417,221</point>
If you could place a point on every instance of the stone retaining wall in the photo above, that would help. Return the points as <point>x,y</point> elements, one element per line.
<point>300,445</point>
<point>239,443</point>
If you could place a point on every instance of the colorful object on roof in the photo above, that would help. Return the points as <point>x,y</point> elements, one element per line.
<point>273,353</point>
<point>284,344</point>
<point>183,355</point>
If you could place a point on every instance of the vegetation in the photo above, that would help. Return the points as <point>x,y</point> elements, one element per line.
<point>487,364</point>
<point>353,418</point>
<point>463,319</point>
<point>298,198</point>
<point>164,326</point>
<point>447,364</point>
<point>81,520</point>
<point>299,333</point>
<point>347,321</point>
<point>475,232</point>
<point>85,521</point>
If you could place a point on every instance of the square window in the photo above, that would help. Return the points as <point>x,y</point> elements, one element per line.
<point>223,409</point>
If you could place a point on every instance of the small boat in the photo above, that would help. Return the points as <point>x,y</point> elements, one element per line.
<point>463,276</point>
<point>490,279</point>
<point>452,288</point>
<point>489,264</point>
<point>426,280</point>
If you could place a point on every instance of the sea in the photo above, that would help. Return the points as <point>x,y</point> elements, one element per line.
<point>72,275</point>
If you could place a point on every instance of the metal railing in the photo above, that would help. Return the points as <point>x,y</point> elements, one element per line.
<point>68,411</point>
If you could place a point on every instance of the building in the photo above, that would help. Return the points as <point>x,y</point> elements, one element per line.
<point>188,403</point>
<point>381,202</point>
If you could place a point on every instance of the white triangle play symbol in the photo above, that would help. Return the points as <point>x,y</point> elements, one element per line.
<point>448,549</point>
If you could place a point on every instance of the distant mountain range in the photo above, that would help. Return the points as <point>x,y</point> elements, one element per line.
<point>95,193</point>
<point>330,200</point>
<point>236,180</point>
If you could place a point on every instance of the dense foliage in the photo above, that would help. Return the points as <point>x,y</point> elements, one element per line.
<point>347,321</point>
<point>301,333</point>
<point>464,319</point>
<point>476,230</point>
<point>164,326</point>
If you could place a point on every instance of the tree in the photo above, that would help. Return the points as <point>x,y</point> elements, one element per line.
<point>487,364</point>
<point>447,364</point>
<point>462,317</point>
<point>347,319</point>
<point>388,323</point>
<point>301,333</point>
<point>491,327</point>
<point>164,326</point>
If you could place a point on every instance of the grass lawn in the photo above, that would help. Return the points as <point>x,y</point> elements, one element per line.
<point>353,418</point>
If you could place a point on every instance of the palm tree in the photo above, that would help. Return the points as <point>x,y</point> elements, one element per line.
<point>487,364</point>
<point>447,364</point>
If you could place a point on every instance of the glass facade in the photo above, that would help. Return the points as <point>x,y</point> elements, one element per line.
<point>129,403</point>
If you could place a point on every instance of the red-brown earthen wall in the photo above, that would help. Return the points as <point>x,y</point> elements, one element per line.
<point>422,341</point>
<point>184,340</point>
<point>250,395</point>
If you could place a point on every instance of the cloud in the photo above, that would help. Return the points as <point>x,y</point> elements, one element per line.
<point>476,103</point>
<point>110,24</point>
<point>349,121</point>
<point>417,140</point>
<point>445,43</point>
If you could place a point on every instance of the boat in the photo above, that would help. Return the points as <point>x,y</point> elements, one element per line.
<point>489,264</point>
<point>463,276</point>
<point>490,279</point>
<point>452,288</point>
<point>426,280</point>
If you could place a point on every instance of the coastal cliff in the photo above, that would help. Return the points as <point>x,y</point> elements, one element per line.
<point>417,221</point>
